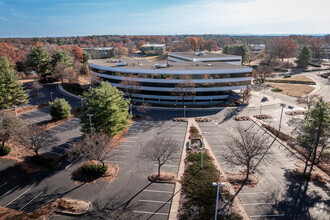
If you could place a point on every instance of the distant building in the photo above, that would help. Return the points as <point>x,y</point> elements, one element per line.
<point>100,52</point>
<point>257,47</point>
<point>204,57</point>
<point>153,49</point>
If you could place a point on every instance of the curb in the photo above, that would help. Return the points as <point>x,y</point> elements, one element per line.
<point>63,91</point>
<point>174,209</point>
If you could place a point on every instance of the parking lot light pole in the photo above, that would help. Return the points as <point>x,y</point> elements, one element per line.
<point>51,96</point>
<point>217,203</point>
<point>202,133</point>
<point>82,102</point>
<point>184,111</point>
<point>282,105</point>
<point>15,107</point>
<point>90,122</point>
<point>130,108</point>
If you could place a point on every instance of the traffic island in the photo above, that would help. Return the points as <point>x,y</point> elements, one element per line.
<point>71,206</point>
<point>164,177</point>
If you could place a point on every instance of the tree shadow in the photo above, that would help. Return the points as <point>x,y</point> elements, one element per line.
<point>296,202</point>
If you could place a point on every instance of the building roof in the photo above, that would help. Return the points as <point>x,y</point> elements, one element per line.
<point>154,45</point>
<point>148,64</point>
<point>97,48</point>
<point>202,54</point>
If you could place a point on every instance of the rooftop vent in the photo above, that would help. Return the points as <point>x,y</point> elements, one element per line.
<point>201,53</point>
<point>197,64</point>
<point>114,61</point>
<point>158,66</point>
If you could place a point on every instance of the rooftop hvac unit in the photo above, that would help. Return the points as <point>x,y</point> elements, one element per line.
<point>121,64</point>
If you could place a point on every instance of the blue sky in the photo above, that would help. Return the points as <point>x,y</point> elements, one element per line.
<point>42,18</point>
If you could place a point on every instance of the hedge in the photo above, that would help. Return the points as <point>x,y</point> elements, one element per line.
<point>94,169</point>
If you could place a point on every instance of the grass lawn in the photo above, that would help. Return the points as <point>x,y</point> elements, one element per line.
<point>299,78</point>
<point>200,195</point>
<point>292,89</point>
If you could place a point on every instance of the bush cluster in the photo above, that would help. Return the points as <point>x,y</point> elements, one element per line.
<point>4,150</point>
<point>277,90</point>
<point>94,169</point>
<point>60,109</point>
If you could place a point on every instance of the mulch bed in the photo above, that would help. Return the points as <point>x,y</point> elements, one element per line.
<point>203,119</point>
<point>165,177</point>
<point>298,112</point>
<point>180,119</point>
<point>298,174</point>
<point>242,118</point>
<point>237,180</point>
<point>262,116</point>
<point>71,206</point>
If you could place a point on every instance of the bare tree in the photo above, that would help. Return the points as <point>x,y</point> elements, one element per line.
<point>158,149</point>
<point>36,85</point>
<point>246,95</point>
<point>263,72</point>
<point>35,138</point>
<point>308,100</point>
<point>144,108</point>
<point>130,85</point>
<point>9,125</point>
<point>185,88</point>
<point>246,149</point>
<point>93,147</point>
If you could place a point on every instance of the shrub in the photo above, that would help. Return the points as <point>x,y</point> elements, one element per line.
<point>60,109</point>
<point>42,160</point>
<point>4,150</point>
<point>94,169</point>
<point>277,90</point>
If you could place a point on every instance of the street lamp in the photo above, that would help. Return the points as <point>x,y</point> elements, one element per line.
<point>202,133</point>
<point>184,111</point>
<point>279,127</point>
<point>82,102</point>
<point>90,122</point>
<point>51,96</point>
<point>217,203</point>
<point>130,107</point>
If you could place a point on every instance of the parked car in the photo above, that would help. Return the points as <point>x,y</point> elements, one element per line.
<point>290,107</point>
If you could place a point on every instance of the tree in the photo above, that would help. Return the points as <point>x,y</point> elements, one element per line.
<point>247,149</point>
<point>211,45</point>
<point>160,149</point>
<point>86,57</point>
<point>317,47</point>
<point>263,72</point>
<point>64,73</point>
<point>78,53</point>
<point>93,147</point>
<point>121,51</point>
<point>285,48</point>
<point>130,85</point>
<point>11,91</point>
<point>9,125</point>
<point>62,56</point>
<point>36,138</point>
<point>60,109</point>
<point>109,109</point>
<point>239,50</point>
<point>185,88</point>
<point>36,85</point>
<point>246,95</point>
<point>314,134</point>
<point>308,100</point>
<point>39,59</point>
<point>304,57</point>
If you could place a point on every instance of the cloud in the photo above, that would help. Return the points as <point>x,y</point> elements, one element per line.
<point>3,18</point>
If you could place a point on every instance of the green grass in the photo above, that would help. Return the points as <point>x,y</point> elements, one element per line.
<point>276,90</point>
<point>198,188</point>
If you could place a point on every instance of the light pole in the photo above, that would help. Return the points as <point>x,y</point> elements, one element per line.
<point>15,107</point>
<point>184,111</point>
<point>217,203</point>
<point>51,96</point>
<point>202,133</point>
<point>279,126</point>
<point>130,108</point>
<point>82,102</point>
<point>90,122</point>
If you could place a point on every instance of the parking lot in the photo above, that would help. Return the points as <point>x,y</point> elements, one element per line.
<point>275,185</point>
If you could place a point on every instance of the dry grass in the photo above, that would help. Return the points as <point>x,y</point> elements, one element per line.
<point>292,90</point>
<point>299,78</point>
<point>41,213</point>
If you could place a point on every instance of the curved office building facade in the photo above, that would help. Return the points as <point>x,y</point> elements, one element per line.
<point>160,83</point>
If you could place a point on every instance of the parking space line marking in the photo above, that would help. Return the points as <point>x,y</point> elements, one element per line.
<point>30,201</point>
<point>118,156</point>
<point>129,141</point>
<point>54,153</point>
<point>126,146</point>
<point>274,215</point>
<point>266,203</point>
<point>157,191</point>
<point>151,213</point>
<point>72,163</point>
<point>167,165</point>
<point>111,161</point>
<point>132,137</point>
<point>17,197</point>
<point>3,184</point>
<point>120,150</point>
<point>9,191</point>
<point>153,201</point>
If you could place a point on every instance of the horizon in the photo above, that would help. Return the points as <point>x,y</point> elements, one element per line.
<point>68,18</point>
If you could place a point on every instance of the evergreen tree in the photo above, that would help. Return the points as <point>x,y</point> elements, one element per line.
<point>62,56</point>
<point>109,109</point>
<point>11,91</point>
<point>39,59</point>
<point>60,109</point>
<point>304,57</point>
<point>314,134</point>
<point>86,57</point>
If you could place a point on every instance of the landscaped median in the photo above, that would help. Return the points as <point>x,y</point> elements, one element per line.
<point>198,195</point>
